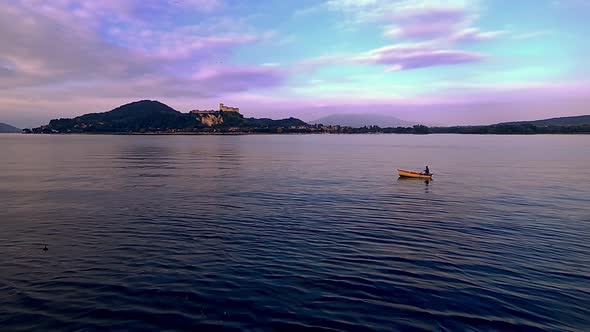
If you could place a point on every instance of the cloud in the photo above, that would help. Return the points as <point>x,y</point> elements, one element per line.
<point>312,64</point>
<point>229,79</point>
<point>402,20</point>
<point>426,22</point>
<point>433,22</point>
<point>41,49</point>
<point>415,56</point>
<point>46,44</point>
<point>135,10</point>
<point>200,5</point>
<point>406,15</point>
<point>185,43</point>
<point>426,31</point>
<point>398,57</point>
<point>476,35</point>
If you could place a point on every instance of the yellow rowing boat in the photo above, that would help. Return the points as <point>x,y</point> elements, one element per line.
<point>409,174</point>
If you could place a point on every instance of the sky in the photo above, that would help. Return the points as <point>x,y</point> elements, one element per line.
<point>435,62</point>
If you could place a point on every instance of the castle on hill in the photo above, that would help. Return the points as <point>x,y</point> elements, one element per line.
<point>222,108</point>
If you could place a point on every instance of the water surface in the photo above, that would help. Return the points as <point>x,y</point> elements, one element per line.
<point>310,232</point>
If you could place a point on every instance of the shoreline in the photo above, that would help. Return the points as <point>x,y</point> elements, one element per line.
<point>295,133</point>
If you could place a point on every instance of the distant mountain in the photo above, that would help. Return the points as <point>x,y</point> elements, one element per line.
<point>563,121</point>
<point>361,120</point>
<point>154,116</point>
<point>4,128</point>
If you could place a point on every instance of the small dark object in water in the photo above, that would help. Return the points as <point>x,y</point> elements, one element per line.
<point>45,249</point>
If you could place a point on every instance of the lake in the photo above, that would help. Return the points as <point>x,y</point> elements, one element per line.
<point>294,232</point>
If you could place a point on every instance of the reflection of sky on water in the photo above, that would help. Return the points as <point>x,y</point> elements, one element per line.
<point>296,223</point>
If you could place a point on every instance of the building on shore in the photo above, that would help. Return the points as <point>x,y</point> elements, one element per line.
<point>224,108</point>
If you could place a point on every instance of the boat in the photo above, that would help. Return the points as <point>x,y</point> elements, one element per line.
<point>409,174</point>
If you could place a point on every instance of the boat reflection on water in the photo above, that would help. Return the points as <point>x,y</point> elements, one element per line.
<point>403,179</point>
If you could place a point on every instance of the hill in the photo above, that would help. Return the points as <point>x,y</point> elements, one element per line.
<point>154,116</point>
<point>5,128</point>
<point>136,116</point>
<point>563,125</point>
<point>361,120</point>
<point>562,121</point>
<point>264,122</point>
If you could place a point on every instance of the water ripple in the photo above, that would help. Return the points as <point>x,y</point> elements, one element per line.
<point>297,233</point>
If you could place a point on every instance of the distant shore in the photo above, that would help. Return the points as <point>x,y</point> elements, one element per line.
<point>295,133</point>
<point>150,117</point>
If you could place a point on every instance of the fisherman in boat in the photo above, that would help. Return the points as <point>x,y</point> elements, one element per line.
<point>427,170</point>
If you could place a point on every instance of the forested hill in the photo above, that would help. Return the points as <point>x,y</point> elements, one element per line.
<point>154,116</point>
<point>563,121</point>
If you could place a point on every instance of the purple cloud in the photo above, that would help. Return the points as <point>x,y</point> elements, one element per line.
<point>438,27</point>
<point>185,44</point>
<point>414,56</point>
<point>435,23</point>
<point>120,10</point>
<point>47,45</point>
<point>426,22</point>
<point>240,78</point>
<point>39,51</point>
